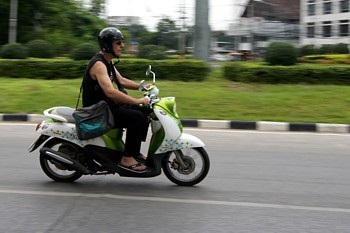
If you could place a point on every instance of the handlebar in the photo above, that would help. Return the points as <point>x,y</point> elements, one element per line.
<point>153,98</point>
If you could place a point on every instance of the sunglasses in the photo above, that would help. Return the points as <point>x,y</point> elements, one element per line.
<point>119,42</point>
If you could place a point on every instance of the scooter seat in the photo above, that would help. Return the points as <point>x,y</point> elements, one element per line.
<point>65,112</point>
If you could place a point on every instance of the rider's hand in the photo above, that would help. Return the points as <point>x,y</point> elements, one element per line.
<point>143,86</point>
<point>144,101</point>
<point>148,85</point>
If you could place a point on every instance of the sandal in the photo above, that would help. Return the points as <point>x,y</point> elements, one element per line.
<point>141,158</point>
<point>132,167</point>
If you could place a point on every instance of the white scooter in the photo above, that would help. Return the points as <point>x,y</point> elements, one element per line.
<point>65,158</point>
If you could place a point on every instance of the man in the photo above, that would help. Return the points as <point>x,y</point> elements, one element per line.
<point>98,85</point>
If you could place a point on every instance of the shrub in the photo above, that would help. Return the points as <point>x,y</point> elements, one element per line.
<point>84,51</point>
<point>232,70</point>
<point>307,50</point>
<point>13,51</point>
<point>152,52</point>
<point>326,49</point>
<point>280,53</point>
<point>40,49</point>
<point>341,48</point>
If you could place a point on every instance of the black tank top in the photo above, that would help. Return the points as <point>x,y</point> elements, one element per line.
<point>92,92</point>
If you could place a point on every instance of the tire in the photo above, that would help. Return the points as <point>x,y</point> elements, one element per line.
<point>196,167</point>
<point>56,171</point>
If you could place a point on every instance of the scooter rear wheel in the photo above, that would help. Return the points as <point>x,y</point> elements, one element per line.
<point>58,172</point>
<point>194,170</point>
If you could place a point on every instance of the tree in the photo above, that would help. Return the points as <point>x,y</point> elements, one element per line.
<point>137,31</point>
<point>97,7</point>
<point>167,33</point>
<point>63,23</point>
<point>4,18</point>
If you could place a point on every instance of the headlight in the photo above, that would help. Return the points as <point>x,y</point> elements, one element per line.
<point>153,91</point>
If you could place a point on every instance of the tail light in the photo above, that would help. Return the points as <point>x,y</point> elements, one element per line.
<point>38,126</point>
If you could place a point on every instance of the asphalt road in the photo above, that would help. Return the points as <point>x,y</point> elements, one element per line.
<point>258,182</point>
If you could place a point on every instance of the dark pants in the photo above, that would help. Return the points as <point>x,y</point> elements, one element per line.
<point>135,120</point>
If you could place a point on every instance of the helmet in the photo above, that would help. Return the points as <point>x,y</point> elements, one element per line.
<point>106,38</point>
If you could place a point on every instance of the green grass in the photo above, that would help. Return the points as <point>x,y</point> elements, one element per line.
<point>215,99</point>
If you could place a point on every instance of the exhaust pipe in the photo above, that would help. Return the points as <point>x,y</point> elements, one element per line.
<point>64,160</point>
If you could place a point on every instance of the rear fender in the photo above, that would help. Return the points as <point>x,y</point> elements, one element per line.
<point>38,142</point>
<point>66,131</point>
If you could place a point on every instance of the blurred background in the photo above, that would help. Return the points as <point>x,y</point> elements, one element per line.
<point>224,30</point>
<point>226,43</point>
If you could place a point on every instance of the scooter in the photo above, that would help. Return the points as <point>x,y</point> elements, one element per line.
<point>65,158</point>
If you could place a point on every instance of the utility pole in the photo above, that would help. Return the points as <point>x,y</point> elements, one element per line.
<point>182,34</point>
<point>252,27</point>
<point>13,22</point>
<point>202,31</point>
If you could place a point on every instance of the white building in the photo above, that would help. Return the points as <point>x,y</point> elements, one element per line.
<point>324,22</point>
<point>120,21</point>
<point>264,21</point>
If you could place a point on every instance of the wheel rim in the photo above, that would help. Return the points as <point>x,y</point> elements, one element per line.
<point>57,171</point>
<point>55,168</point>
<point>193,168</point>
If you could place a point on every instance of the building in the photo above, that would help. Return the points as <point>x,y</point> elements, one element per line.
<point>120,21</point>
<point>273,10</point>
<point>264,21</point>
<point>325,22</point>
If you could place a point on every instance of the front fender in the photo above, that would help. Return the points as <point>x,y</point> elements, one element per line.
<point>183,142</point>
<point>190,141</point>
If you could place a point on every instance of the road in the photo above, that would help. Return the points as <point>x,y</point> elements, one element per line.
<point>258,182</point>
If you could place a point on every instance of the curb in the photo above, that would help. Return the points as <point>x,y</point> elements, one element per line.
<point>221,124</point>
<point>268,126</point>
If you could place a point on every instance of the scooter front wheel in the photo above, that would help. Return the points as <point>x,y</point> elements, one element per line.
<point>58,172</point>
<point>193,168</point>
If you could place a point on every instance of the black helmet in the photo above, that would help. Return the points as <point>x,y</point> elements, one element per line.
<point>106,38</point>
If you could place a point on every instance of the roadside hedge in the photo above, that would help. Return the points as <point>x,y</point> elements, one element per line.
<point>297,74</point>
<point>177,70</point>
<point>42,68</point>
<point>181,70</point>
<point>326,59</point>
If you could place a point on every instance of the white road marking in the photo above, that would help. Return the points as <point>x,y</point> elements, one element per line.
<point>176,200</point>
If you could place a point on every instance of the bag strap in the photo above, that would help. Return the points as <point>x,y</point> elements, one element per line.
<point>115,77</point>
<point>81,89</point>
<point>111,69</point>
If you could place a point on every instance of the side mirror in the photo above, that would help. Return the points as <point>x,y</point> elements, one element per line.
<point>149,70</point>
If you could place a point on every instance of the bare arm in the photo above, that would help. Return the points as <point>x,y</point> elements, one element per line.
<point>126,83</point>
